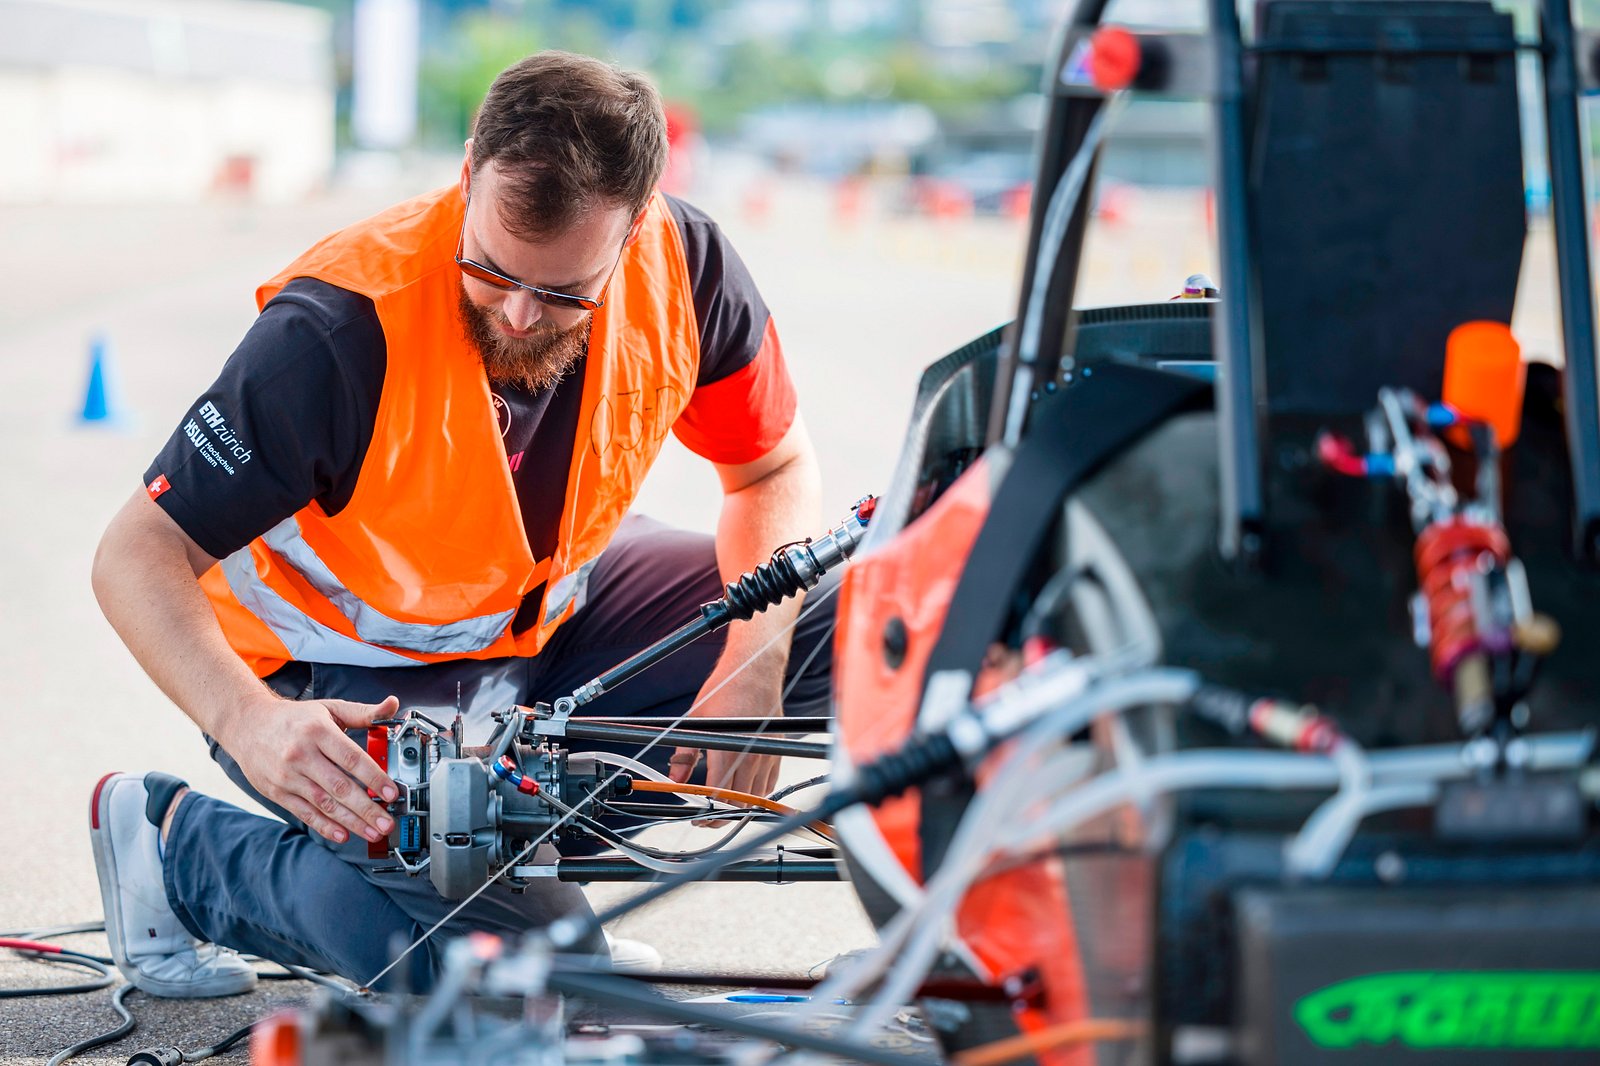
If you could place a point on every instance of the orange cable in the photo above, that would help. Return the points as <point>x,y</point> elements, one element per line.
<point>726,795</point>
<point>1083,1031</point>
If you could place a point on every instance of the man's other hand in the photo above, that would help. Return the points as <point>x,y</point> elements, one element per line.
<point>743,696</point>
<point>298,756</point>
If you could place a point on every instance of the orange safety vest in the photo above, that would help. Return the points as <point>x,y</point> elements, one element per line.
<point>429,560</point>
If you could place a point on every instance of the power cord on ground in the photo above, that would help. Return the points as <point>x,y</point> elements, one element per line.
<point>39,951</point>
<point>118,1004</point>
<point>31,945</point>
<point>173,1056</point>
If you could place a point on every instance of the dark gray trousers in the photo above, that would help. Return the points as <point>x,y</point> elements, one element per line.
<point>269,887</point>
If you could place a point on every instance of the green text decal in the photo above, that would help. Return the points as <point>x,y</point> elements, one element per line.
<point>1483,1009</point>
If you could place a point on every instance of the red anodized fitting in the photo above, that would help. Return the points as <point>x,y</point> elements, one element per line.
<point>520,781</point>
<point>1447,553</point>
<point>1339,455</point>
<point>1115,57</point>
<point>378,752</point>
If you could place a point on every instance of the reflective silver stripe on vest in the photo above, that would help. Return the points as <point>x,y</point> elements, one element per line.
<point>307,639</point>
<point>573,588</point>
<point>372,625</point>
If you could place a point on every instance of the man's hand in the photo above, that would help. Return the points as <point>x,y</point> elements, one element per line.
<point>749,694</point>
<point>298,756</point>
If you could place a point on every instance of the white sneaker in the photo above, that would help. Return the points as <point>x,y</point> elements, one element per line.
<point>633,955</point>
<point>151,947</point>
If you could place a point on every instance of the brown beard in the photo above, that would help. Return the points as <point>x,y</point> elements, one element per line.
<point>532,363</point>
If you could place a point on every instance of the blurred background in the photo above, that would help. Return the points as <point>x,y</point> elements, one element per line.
<point>172,99</point>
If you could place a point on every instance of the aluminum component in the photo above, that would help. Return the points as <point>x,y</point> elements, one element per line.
<point>461,833</point>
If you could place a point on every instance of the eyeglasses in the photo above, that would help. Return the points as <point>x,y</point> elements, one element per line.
<point>566,301</point>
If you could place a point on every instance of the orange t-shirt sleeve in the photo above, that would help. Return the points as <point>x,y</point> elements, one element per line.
<point>741,417</point>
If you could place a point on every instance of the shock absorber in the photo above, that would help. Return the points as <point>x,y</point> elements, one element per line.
<point>1483,637</point>
<point>1454,558</point>
<point>792,569</point>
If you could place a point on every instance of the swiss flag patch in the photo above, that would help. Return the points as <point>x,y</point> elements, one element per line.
<point>158,486</point>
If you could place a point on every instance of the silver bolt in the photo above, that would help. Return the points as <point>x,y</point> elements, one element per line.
<point>1389,867</point>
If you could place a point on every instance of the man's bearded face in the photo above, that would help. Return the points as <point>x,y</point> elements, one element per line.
<point>534,362</point>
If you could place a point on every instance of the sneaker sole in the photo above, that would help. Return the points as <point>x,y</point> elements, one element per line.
<point>105,868</point>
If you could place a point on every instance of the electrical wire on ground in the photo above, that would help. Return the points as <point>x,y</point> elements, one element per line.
<point>32,945</point>
<point>118,1004</point>
<point>60,956</point>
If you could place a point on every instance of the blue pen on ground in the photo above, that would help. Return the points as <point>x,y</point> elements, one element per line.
<point>764,998</point>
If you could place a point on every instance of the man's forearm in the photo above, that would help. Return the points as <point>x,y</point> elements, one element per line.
<point>146,586</point>
<point>781,508</point>
<point>298,756</point>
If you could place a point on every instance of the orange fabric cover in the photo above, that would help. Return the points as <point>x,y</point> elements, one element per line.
<point>912,579</point>
<point>1015,922</point>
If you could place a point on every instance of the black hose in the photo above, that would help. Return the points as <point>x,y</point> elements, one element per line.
<point>225,1044</point>
<point>776,871</point>
<point>784,725</point>
<point>820,779</point>
<point>64,958</point>
<point>107,1037</point>
<point>55,931</point>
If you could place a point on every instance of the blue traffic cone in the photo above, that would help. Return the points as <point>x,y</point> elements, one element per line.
<point>100,401</point>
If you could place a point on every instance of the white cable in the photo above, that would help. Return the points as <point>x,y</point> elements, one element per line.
<point>1171,773</point>
<point>1268,770</point>
<point>1059,212</point>
<point>929,924</point>
<point>1316,850</point>
<point>639,769</point>
<point>1082,689</point>
<point>948,887</point>
<point>1342,809</point>
<point>1158,775</point>
<point>992,804</point>
<point>1088,800</point>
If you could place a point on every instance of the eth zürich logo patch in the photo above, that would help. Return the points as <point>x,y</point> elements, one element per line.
<point>1500,1009</point>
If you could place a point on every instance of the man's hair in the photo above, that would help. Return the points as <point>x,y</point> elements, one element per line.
<point>570,134</point>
